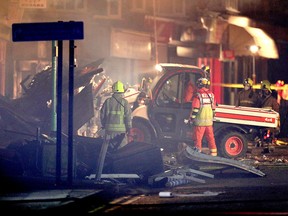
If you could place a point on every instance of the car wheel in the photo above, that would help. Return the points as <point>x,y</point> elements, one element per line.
<point>140,132</point>
<point>232,144</point>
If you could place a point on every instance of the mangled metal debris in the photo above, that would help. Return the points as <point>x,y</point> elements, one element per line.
<point>185,174</point>
<point>200,157</point>
<point>20,118</point>
<point>178,176</point>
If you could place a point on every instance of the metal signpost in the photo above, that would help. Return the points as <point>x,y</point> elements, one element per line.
<point>56,31</point>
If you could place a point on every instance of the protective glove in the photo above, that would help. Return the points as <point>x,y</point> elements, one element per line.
<point>189,122</point>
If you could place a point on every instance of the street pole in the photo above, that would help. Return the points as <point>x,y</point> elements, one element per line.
<point>254,50</point>
<point>54,85</point>
<point>254,69</point>
<point>155,33</point>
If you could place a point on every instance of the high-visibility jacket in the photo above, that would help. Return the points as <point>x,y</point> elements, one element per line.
<point>203,107</point>
<point>115,114</point>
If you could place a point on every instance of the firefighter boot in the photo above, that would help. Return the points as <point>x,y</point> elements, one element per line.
<point>213,152</point>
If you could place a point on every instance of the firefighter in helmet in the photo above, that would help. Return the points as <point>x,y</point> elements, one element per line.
<point>115,114</point>
<point>247,97</point>
<point>202,114</point>
<point>115,117</point>
<point>268,101</point>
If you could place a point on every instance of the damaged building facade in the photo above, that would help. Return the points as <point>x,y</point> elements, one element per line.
<point>132,36</point>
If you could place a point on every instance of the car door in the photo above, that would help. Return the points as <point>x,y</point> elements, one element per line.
<point>169,108</point>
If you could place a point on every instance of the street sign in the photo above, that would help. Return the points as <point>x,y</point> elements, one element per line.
<point>47,31</point>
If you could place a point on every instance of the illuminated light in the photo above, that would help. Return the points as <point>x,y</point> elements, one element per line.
<point>257,37</point>
<point>159,68</point>
<point>267,44</point>
<point>254,49</point>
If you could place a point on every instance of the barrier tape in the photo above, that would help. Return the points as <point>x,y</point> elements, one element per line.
<point>240,85</point>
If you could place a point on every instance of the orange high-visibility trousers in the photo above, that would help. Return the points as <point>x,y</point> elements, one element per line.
<point>208,133</point>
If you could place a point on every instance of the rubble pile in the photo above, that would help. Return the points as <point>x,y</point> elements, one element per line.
<point>275,155</point>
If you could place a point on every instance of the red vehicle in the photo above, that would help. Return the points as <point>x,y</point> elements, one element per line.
<point>161,120</point>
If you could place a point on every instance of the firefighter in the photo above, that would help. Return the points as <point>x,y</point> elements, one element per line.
<point>282,99</point>
<point>248,97</point>
<point>266,98</point>
<point>115,117</point>
<point>202,114</point>
<point>115,114</point>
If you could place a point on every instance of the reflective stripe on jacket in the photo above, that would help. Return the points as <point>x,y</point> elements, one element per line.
<point>203,107</point>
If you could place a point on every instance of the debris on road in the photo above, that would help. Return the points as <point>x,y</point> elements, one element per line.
<point>200,157</point>
<point>178,176</point>
<point>167,194</point>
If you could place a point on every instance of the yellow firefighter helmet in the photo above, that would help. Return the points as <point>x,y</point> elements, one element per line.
<point>118,87</point>
<point>265,84</point>
<point>248,81</point>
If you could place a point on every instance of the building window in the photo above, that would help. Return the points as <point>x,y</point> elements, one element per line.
<point>67,4</point>
<point>171,7</point>
<point>107,8</point>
